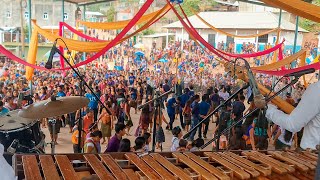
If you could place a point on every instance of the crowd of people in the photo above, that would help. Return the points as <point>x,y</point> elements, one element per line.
<point>199,90</point>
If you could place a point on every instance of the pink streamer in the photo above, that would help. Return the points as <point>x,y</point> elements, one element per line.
<point>316,66</point>
<point>80,33</point>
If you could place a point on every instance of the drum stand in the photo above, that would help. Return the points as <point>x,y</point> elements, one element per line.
<point>53,143</point>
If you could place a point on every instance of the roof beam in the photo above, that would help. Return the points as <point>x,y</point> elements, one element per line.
<point>256,2</point>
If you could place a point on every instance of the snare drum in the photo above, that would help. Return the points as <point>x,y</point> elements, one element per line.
<point>26,131</point>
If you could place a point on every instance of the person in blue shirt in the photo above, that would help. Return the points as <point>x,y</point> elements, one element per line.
<point>3,110</point>
<point>195,111</point>
<point>204,110</point>
<point>171,103</point>
<point>61,93</point>
<point>191,92</point>
<point>93,104</point>
<point>183,100</point>
<point>132,78</point>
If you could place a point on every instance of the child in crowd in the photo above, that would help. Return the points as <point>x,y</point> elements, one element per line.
<point>182,145</point>
<point>177,134</point>
<point>147,137</point>
<point>125,146</point>
<point>196,144</point>
<point>90,144</point>
<point>140,144</point>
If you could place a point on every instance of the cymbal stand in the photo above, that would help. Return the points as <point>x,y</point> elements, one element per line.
<point>268,99</point>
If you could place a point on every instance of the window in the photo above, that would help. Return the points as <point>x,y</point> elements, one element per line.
<point>26,14</point>
<point>263,39</point>
<point>65,16</point>
<point>8,14</point>
<point>45,15</point>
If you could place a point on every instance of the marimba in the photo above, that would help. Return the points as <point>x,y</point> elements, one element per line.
<point>275,165</point>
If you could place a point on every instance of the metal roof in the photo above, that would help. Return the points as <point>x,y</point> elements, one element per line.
<point>88,2</point>
<point>238,20</point>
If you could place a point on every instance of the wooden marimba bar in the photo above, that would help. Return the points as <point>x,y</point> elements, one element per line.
<point>273,165</point>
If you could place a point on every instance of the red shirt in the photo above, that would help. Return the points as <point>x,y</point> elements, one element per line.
<point>86,123</point>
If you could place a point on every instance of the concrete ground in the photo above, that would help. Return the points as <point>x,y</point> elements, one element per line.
<point>65,146</point>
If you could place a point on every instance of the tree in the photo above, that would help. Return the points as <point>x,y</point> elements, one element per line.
<point>111,13</point>
<point>308,24</point>
<point>196,5</point>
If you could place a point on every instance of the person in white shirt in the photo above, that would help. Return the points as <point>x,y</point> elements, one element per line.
<point>177,134</point>
<point>6,170</point>
<point>306,114</point>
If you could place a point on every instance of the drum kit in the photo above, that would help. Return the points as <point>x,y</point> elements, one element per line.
<point>20,129</point>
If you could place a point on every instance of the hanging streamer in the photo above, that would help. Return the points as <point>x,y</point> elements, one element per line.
<point>192,29</point>
<point>84,36</point>
<point>32,54</point>
<point>297,7</point>
<point>121,24</point>
<point>143,9</point>
<point>232,35</point>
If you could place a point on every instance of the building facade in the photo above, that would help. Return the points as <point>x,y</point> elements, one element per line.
<point>240,23</point>
<point>46,12</point>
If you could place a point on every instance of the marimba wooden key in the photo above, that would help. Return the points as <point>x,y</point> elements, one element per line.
<point>188,165</point>
<point>98,167</point>
<point>203,173</point>
<point>113,166</point>
<point>150,173</point>
<point>170,167</point>
<point>65,167</point>
<point>207,166</point>
<point>31,168</point>
<point>48,168</point>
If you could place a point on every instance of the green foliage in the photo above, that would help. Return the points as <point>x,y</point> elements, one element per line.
<point>111,13</point>
<point>148,32</point>
<point>308,24</point>
<point>196,5</point>
<point>94,7</point>
<point>187,4</point>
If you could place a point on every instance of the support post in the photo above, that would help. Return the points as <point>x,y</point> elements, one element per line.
<point>167,39</point>
<point>62,15</point>
<point>29,36</point>
<point>279,26</point>
<point>84,30</point>
<point>182,38</point>
<point>295,38</point>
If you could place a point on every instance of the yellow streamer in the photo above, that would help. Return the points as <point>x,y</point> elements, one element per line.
<point>232,35</point>
<point>297,7</point>
<point>275,55</point>
<point>281,63</point>
<point>122,24</point>
<point>32,54</point>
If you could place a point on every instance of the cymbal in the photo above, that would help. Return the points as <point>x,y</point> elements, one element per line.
<point>53,107</point>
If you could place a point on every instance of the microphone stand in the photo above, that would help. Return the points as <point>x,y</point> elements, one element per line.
<point>157,104</point>
<point>215,110</point>
<point>82,82</point>
<point>268,99</point>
